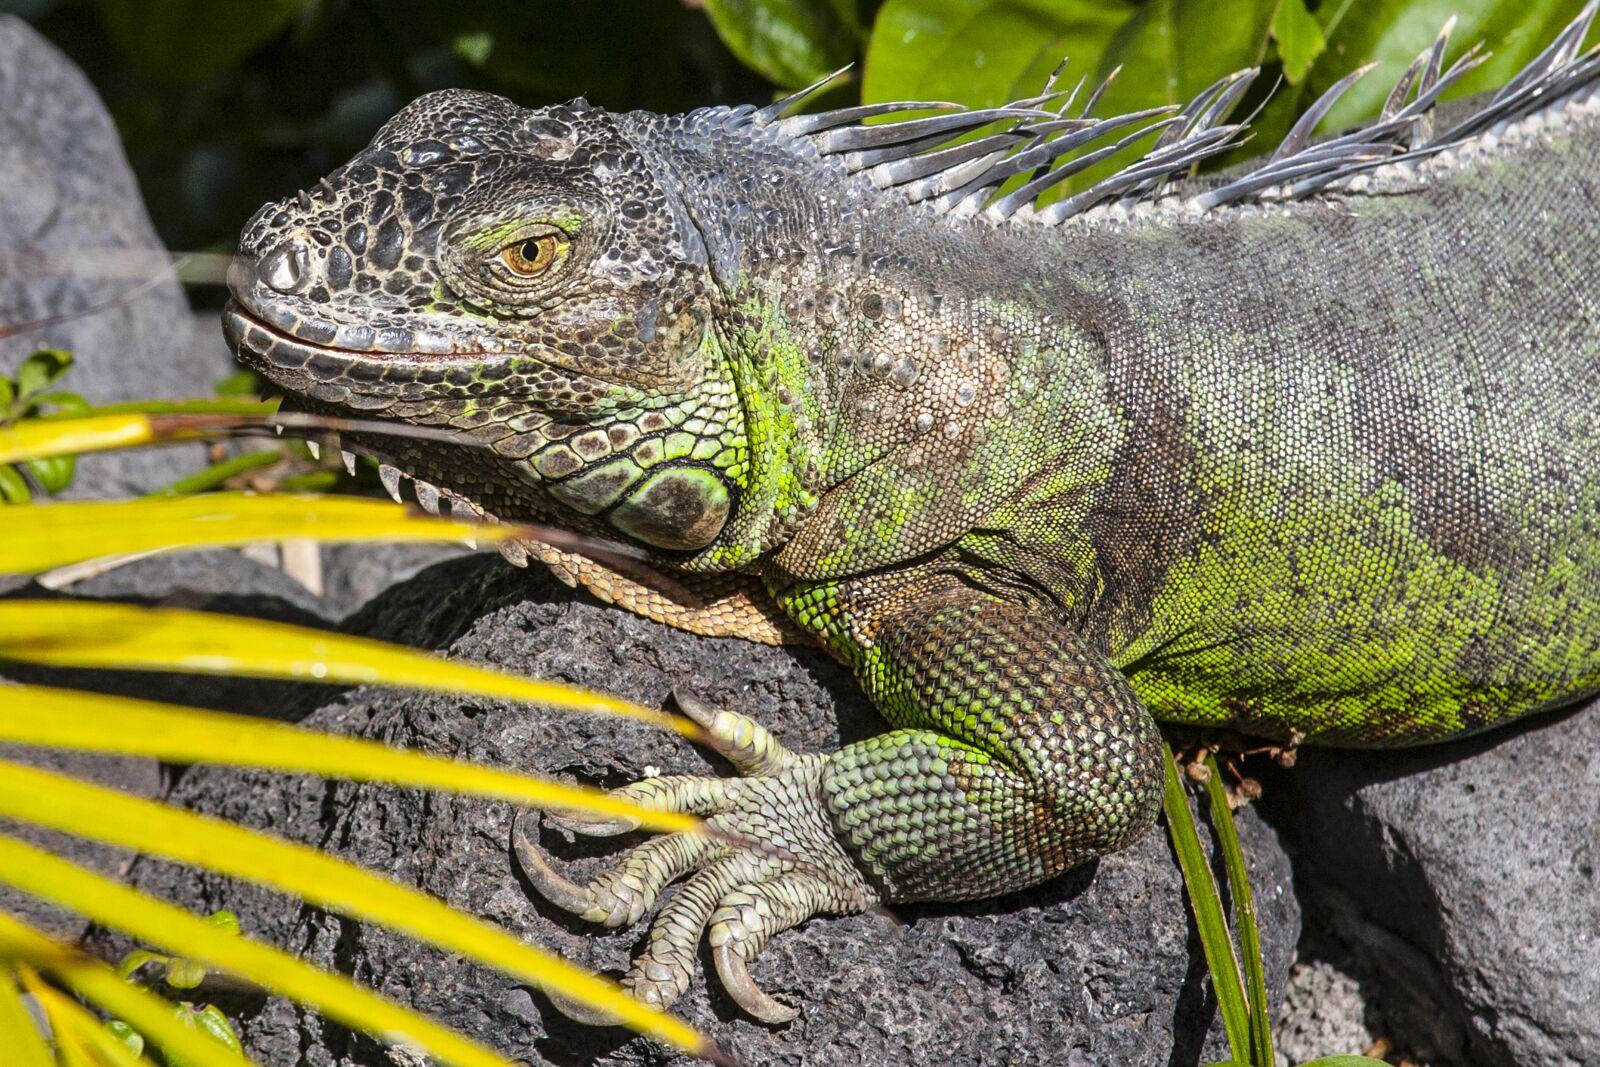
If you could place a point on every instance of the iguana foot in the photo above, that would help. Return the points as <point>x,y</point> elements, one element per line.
<point>773,862</point>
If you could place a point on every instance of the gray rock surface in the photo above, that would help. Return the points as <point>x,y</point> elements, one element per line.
<point>1324,1014</point>
<point>72,227</point>
<point>353,574</point>
<point>1463,878</point>
<point>1099,967</point>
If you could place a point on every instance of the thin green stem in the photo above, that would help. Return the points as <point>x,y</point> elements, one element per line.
<point>1209,919</point>
<point>1245,907</point>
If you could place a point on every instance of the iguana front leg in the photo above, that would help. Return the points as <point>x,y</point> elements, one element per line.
<point>1017,753</point>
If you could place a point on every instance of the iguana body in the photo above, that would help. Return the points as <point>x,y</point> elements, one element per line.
<point>1305,451</point>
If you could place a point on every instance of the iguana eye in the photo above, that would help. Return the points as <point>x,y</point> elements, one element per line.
<point>531,257</point>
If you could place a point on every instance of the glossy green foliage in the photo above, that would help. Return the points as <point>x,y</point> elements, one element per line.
<point>989,52</point>
<point>31,392</point>
<point>160,34</point>
<point>791,42</point>
<point>180,973</point>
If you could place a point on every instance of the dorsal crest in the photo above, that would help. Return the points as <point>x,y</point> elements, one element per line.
<point>1048,139</point>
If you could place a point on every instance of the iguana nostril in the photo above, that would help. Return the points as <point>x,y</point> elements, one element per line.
<point>286,268</point>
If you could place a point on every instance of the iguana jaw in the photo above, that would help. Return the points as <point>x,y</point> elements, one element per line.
<point>299,365</point>
<point>519,459</point>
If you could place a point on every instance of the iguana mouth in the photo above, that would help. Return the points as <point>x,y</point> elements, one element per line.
<point>278,340</point>
<point>336,377</point>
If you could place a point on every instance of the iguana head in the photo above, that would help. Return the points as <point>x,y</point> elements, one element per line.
<point>528,278</point>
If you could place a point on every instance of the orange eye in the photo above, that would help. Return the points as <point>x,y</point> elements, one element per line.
<point>531,258</point>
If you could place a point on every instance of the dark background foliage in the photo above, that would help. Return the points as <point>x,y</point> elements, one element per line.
<point>225,104</point>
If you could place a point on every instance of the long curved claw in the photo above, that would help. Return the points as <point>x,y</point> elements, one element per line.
<point>747,919</point>
<point>622,895</point>
<point>564,894</point>
<point>597,826</point>
<point>578,1011</point>
<point>743,989</point>
<point>592,827</point>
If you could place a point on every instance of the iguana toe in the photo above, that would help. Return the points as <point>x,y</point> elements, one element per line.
<point>747,919</point>
<point>770,862</point>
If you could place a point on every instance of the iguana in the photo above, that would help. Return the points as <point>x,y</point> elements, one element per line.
<point>1306,449</point>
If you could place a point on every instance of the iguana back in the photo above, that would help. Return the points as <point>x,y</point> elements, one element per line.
<point>1379,415</point>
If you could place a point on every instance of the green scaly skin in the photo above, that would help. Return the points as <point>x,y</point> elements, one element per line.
<point>1318,469</point>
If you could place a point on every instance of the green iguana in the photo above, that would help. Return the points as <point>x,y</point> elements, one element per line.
<point>1306,449</point>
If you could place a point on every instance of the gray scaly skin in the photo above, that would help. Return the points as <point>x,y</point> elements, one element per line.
<point>1305,450</point>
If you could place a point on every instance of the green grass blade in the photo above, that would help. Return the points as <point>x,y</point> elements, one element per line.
<point>97,983</point>
<point>217,474</point>
<point>155,922</point>
<point>1245,905</point>
<point>1208,916</point>
<point>21,1044</point>
<point>64,803</point>
<point>96,722</point>
<point>62,633</point>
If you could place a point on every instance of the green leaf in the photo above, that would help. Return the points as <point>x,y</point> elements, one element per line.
<point>984,52</point>
<point>131,963</point>
<point>190,40</point>
<point>184,973</point>
<point>13,488</point>
<point>989,52</point>
<point>791,42</point>
<point>127,1035</point>
<point>8,394</point>
<point>473,48</point>
<point>140,1010</point>
<point>241,383</point>
<point>64,402</point>
<point>1299,38</point>
<point>224,920</point>
<point>210,1021</point>
<point>1175,48</point>
<point>217,473</point>
<point>54,474</point>
<point>40,371</point>
<point>1392,34</point>
<point>1209,919</point>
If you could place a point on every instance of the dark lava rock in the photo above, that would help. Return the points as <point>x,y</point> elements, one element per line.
<point>1098,967</point>
<point>1463,879</point>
